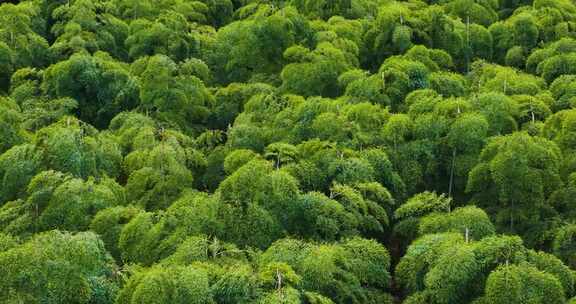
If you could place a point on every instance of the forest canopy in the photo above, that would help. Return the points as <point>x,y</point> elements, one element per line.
<point>288,151</point>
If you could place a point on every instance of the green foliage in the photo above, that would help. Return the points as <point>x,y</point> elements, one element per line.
<point>56,267</point>
<point>510,284</point>
<point>494,78</point>
<point>237,159</point>
<point>74,147</point>
<point>256,202</point>
<point>552,61</point>
<point>403,75</point>
<point>11,120</point>
<point>57,201</point>
<point>324,218</point>
<point>558,128</point>
<point>446,268</point>
<point>7,64</point>
<point>168,35</point>
<point>38,111</point>
<point>448,84</point>
<point>255,46</point>
<point>410,272</point>
<point>162,164</point>
<point>564,243</point>
<point>17,167</point>
<point>75,202</point>
<point>519,172</point>
<point>172,93</point>
<point>108,224</point>
<point>317,72</point>
<point>22,34</point>
<point>239,286</point>
<point>408,215</point>
<point>326,9</point>
<point>148,237</point>
<point>102,86</point>
<point>550,264</point>
<point>166,285</point>
<point>267,151</point>
<point>422,204</point>
<point>345,272</point>
<point>468,220</point>
<point>499,111</point>
<point>87,26</point>
<point>229,102</point>
<point>562,90</point>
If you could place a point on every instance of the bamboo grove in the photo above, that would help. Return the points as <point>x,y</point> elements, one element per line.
<point>292,152</point>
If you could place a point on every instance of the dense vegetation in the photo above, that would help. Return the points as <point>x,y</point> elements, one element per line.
<point>297,151</point>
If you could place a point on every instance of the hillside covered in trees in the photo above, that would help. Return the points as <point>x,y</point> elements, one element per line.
<point>290,152</point>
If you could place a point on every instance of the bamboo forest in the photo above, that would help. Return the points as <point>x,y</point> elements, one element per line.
<point>288,152</point>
